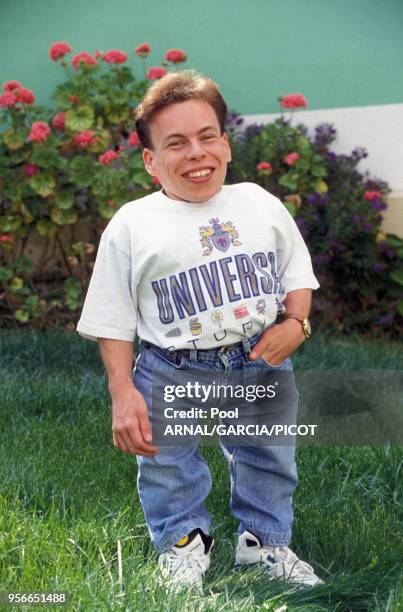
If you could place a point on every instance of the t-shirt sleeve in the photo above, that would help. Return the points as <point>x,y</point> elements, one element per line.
<point>294,260</point>
<point>110,307</point>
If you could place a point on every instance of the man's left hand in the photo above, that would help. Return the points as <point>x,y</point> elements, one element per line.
<point>279,342</point>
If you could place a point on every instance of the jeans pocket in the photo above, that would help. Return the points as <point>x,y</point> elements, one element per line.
<point>286,364</point>
<point>174,358</point>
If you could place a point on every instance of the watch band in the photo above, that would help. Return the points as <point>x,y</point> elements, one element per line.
<point>306,326</point>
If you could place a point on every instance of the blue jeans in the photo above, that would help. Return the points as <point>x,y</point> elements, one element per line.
<point>174,484</point>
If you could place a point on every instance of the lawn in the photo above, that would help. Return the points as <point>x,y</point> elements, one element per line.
<point>71,521</point>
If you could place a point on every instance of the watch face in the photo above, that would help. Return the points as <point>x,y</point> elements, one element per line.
<point>307,328</point>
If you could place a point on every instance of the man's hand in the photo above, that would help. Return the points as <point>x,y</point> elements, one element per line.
<point>278,342</point>
<point>130,424</point>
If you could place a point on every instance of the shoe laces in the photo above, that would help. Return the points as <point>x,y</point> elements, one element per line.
<point>285,555</point>
<point>187,562</point>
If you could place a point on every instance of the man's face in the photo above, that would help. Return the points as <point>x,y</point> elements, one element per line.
<point>189,156</point>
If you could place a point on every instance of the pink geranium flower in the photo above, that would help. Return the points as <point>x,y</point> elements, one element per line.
<point>24,95</point>
<point>31,170</point>
<point>134,140</point>
<point>156,72</point>
<point>59,50</point>
<point>264,167</point>
<point>114,56</point>
<point>143,50</point>
<point>11,85</point>
<point>40,132</point>
<point>372,195</point>
<point>83,58</point>
<point>291,158</point>
<point>107,157</point>
<point>58,121</point>
<point>293,101</point>
<point>6,238</point>
<point>8,99</point>
<point>175,56</point>
<point>85,138</point>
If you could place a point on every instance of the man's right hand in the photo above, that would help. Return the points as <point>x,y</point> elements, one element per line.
<point>130,423</point>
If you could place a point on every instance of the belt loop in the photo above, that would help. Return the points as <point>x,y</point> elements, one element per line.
<point>246,346</point>
<point>193,355</point>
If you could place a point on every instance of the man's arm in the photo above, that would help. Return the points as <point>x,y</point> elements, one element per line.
<point>130,424</point>
<point>281,340</point>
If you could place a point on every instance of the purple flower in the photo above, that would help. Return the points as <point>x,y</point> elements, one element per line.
<point>378,267</point>
<point>325,134</point>
<point>318,199</point>
<point>321,258</point>
<point>378,205</point>
<point>302,227</point>
<point>386,249</point>
<point>367,227</point>
<point>385,320</point>
<point>253,130</point>
<point>359,153</point>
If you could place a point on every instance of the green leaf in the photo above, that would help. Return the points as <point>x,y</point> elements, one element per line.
<point>45,227</point>
<point>399,308</point>
<point>21,315</point>
<point>9,223</point>
<point>65,200</point>
<point>43,184</point>
<point>397,275</point>
<point>318,171</point>
<point>291,208</point>
<point>287,181</point>
<point>394,241</point>
<point>14,140</point>
<point>63,217</point>
<point>80,119</point>
<point>5,274</point>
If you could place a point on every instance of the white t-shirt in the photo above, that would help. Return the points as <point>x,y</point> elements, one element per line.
<point>195,274</point>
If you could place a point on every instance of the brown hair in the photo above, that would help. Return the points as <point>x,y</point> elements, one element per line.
<point>177,87</point>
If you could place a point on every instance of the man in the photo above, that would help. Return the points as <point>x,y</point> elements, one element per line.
<point>200,271</point>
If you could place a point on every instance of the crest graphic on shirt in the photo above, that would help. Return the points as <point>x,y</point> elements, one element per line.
<point>195,326</point>
<point>241,311</point>
<point>261,306</point>
<point>218,235</point>
<point>173,333</point>
<point>217,317</point>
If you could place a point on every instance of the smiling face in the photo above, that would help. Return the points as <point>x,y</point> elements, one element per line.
<point>189,154</point>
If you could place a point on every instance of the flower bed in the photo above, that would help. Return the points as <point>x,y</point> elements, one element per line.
<point>76,163</point>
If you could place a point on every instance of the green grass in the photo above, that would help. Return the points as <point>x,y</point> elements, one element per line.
<point>68,497</point>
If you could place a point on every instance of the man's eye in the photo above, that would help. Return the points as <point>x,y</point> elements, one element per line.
<point>175,143</point>
<point>207,136</point>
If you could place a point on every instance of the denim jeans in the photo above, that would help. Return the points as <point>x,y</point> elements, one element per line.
<point>174,484</point>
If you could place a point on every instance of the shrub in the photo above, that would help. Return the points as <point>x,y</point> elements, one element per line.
<point>79,161</point>
<point>76,162</point>
<point>339,212</point>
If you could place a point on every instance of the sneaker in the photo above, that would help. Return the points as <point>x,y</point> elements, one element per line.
<point>186,563</point>
<point>280,561</point>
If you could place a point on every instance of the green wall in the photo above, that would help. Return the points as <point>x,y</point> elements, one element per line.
<point>337,52</point>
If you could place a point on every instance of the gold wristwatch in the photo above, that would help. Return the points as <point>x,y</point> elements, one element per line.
<point>306,326</point>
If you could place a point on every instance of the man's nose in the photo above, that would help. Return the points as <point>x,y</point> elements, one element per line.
<point>195,150</point>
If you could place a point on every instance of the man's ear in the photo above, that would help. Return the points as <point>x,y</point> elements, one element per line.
<point>228,147</point>
<point>148,159</point>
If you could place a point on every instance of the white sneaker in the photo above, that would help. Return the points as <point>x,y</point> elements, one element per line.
<point>185,564</point>
<point>280,561</point>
